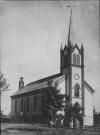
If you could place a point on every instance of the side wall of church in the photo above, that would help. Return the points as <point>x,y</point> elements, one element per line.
<point>16,110</point>
<point>88,120</point>
<point>12,107</point>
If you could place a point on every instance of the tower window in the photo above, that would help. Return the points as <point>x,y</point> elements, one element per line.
<point>77,87</point>
<point>76,59</point>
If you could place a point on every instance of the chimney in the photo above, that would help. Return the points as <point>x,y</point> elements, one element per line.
<point>21,83</point>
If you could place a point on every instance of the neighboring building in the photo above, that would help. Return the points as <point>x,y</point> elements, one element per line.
<point>27,100</point>
<point>97,119</point>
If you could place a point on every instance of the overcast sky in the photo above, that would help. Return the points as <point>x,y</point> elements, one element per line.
<point>31,34</point>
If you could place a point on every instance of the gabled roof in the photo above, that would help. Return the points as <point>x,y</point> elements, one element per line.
<point>46,79</point>
<point>39,84</point>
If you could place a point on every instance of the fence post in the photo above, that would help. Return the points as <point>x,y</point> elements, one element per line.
<point>51,123</point>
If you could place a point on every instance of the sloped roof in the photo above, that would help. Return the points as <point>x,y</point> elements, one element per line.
<point>43,83</point>
<point>90,89</point>
<point>39,84</point>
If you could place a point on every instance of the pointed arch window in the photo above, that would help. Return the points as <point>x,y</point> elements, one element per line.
<point>35,102</point>
<point>74,58</point>
<point>28,104</point>
<point>78,60</point>
<point>77,88</point>
<point>15,106</point>
<point>22,105</point>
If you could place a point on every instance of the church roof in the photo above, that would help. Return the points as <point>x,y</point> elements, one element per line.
<point>39,84</point>
<point>43,83</point>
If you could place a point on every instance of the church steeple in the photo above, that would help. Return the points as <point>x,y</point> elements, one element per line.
<point>72,66</point>
<point>66,52</point>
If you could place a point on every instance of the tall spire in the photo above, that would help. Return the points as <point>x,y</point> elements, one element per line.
<point>69,28</point>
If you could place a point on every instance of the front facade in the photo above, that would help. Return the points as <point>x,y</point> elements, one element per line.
<point>26,102</point>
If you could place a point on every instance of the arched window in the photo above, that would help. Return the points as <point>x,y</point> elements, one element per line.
<point>15,106</point>
<point>28,104</point>
<point>21,105</point>
<point>77,87</point>
<point>78,60</point>
<point>74,58</point>
<point>35,103</point>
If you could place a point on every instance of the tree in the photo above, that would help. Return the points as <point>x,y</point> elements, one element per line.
<point>68,114</point>
<point>4,86</point>
<point>72,112</point>
<point>77,114</point>
<point>52,102</point>
<point>76,109</point>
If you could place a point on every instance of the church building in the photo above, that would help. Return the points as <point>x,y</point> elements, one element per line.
<point>27,100</point>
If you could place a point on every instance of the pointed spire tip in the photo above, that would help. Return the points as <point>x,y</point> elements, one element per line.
<point>61,48</point>
<point>82,47</point>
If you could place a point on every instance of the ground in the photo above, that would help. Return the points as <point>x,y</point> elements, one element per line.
<point>17,132</point>
<point>21,129</point>
<point>38,129</point>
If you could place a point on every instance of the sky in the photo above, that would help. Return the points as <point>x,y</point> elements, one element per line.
<point>31,34</point>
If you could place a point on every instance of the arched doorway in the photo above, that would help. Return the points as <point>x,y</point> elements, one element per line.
<point>77,115</point>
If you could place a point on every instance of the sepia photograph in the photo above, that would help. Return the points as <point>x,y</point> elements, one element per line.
<point>50,67</point>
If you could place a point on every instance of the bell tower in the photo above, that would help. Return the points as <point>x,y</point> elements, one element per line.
<point>72,65</point>
<point>21,83</point>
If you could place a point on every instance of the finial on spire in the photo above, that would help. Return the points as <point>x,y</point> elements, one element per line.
<point>82,47</point>
<point>65,46</point>
<point>61,49</point>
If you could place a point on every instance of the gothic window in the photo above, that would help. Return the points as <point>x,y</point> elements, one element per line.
<point>74,58</point>
<point>78,60</point>
<point>21,105</point>
<point>15,106</point>
<point>35,103</point>
<point>77,87</point>
<point>28,104</point>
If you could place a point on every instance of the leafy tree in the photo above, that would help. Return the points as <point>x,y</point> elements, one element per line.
<point>4,86</point>
<point>72,113</point>
<point>77,109</point>
<point>77,113</point>
<point>52,102</point>
<point>68,114</point>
